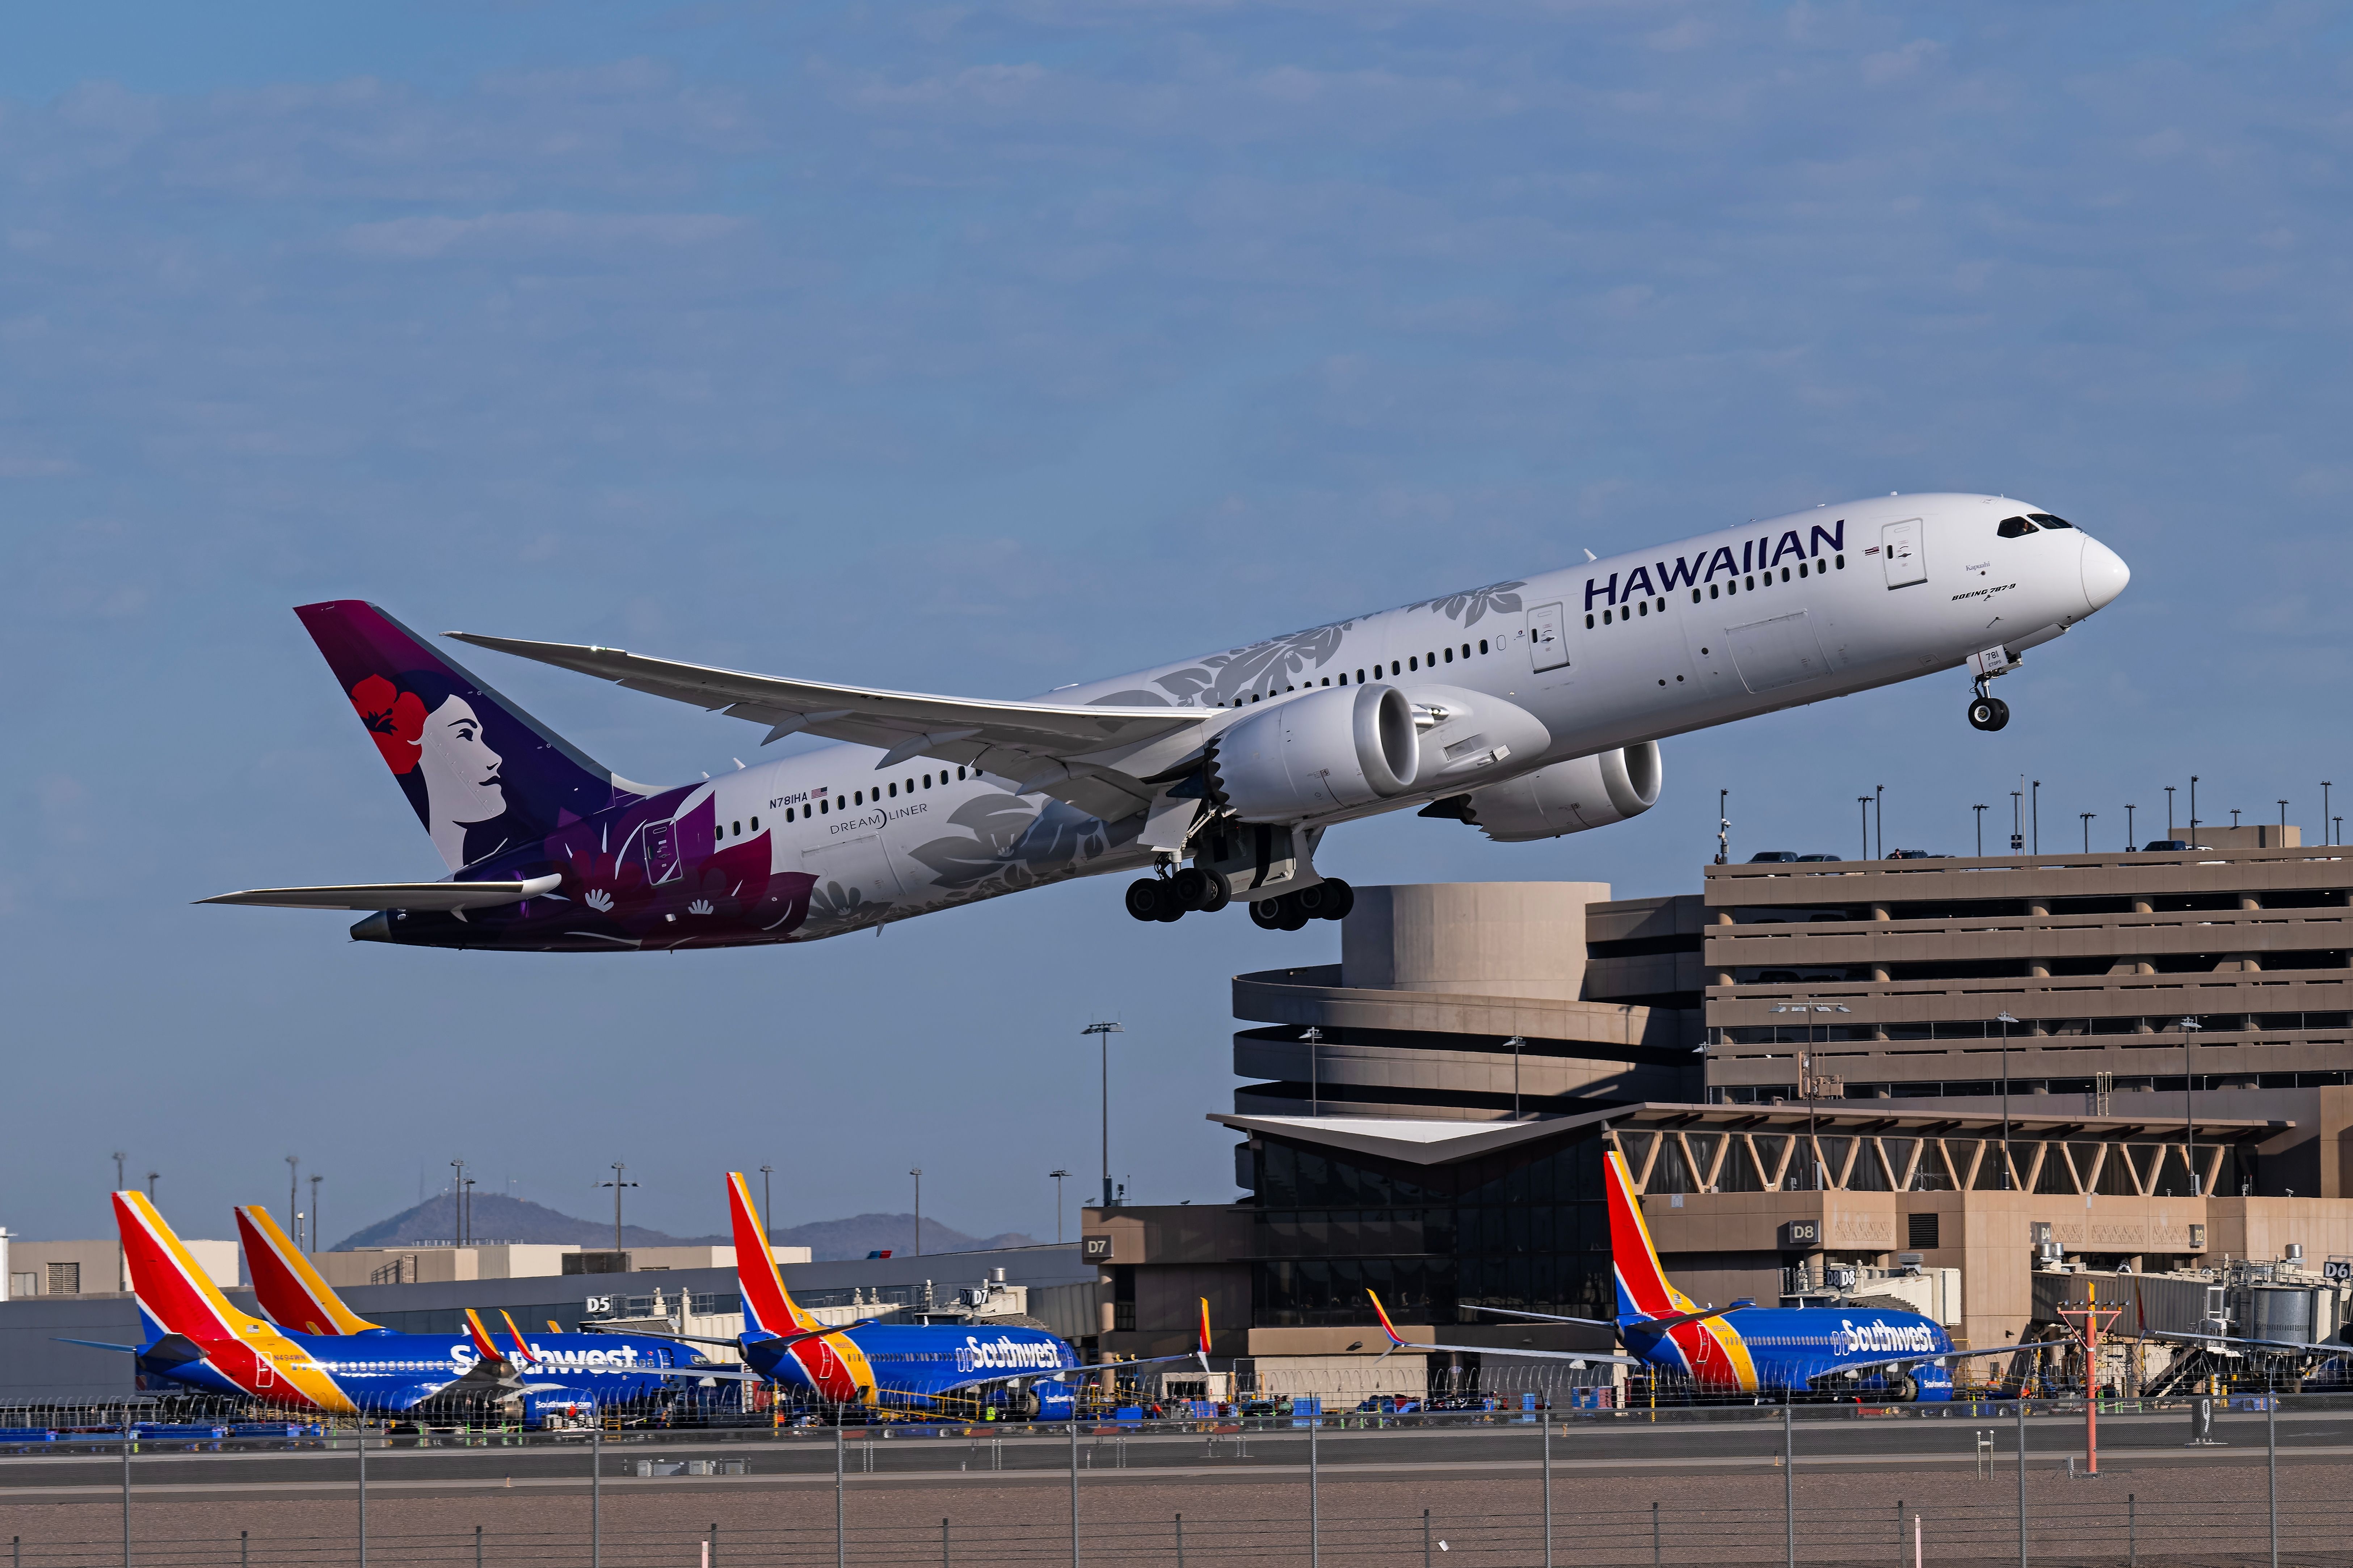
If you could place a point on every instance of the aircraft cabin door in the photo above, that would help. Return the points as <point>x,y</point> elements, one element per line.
<point>1905,560</point>
<point>1546,647</point>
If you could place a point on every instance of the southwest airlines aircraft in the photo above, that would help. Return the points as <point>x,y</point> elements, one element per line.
<point>890,1365</point>
<point>195,1336</point>
<point>1528,708</point>
<point>565,1370</point>
<point>1762,1349</point>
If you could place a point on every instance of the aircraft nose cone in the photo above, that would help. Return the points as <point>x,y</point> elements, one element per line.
<point>2105,575</point>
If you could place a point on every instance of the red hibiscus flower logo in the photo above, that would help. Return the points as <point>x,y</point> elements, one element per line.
<point>395,720</point>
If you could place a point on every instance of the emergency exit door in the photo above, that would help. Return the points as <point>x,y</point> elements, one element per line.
<point>1545,646</point>
<point>1905,561</point>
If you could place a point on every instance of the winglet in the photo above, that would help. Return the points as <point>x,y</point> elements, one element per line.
<point>483,1344</point>
<point>289,1289</point>
<point>524,1356</point>
<point>768,1307</point>
<point>1387,1326</point>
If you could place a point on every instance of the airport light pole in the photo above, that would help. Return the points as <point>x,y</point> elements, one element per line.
<point>294,1184</point>
<point>1058,1176</point>
<point>1980,812</point>
<point>457,1202</point>
<point>617,1184</point>
<point>2130,838</point>
<point>2006,1021</point>
<point>1862,806</point>
<point>2189,1027</point>
<point>1516,1043</point>
<point>2087,816</point>
<point>1723,828</point>
<point>1314,1038</point>
<point>315,1179</point>
<point>2193,811</point>
<point>917,1172</point>
<point>152,1176</point>
<point>2331,838</point>
<point>2282,806</point>
<point>1103,1032</point>
<point>2169,812</point>
<point>2034,817</point>
<point>1806,1078</point>
<point>1879,821</point>
<point>767,1211</point>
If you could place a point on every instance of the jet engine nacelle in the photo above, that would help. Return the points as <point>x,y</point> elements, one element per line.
<point>1328,748</point>
<point>1569,798</point>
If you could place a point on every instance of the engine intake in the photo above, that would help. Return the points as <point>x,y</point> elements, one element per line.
<point>1323,751</point>
<point>1567,797</point>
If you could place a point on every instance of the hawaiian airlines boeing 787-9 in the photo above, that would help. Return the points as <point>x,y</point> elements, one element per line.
<point>1528,708</point>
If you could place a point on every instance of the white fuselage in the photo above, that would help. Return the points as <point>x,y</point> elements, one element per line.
<point>1633,647</point>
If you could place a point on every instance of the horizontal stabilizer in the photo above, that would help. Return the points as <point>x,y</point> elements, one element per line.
<point>395,895</point>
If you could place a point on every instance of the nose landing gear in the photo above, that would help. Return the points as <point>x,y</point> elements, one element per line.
<point>1987,713</point>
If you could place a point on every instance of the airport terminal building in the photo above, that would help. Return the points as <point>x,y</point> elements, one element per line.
<point>1805,1067</point>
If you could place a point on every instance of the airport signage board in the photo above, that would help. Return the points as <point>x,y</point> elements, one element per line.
<point>1094,1248</point>
<point>1800,1234</point>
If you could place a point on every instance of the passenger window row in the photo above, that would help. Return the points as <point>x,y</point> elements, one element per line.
<point>858,797</point>
<point>1411,662</point>
<point>1715,590</point>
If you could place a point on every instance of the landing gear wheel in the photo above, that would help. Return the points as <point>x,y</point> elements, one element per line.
<point>1221,891</point>
<point>1296,914</point>
<point>1989,714</point>
<point>1195,887</point>
<point>1338,899</point>
<point>1144,896</point>
<point>1266,914</point>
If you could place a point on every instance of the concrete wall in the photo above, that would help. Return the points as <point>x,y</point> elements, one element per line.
<point>99,1264</point>
<point>439,1265</point>
<point>1470,939</point>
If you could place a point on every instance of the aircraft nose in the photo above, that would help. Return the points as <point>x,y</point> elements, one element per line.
<point>2105,575</point>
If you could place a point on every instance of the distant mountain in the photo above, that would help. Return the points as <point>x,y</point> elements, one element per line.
<point>498,1217</point>
<point>861,1234</point>
<point>501,1218</point>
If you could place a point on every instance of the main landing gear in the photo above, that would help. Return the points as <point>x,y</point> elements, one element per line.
<point>1987,712</point>
<point>1329,900</point>
<point>1173,898</point>
<point>1198,887</point>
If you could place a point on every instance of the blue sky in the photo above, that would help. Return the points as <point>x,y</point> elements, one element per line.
<point>986,348</point>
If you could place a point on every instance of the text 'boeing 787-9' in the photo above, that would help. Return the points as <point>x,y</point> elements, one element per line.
<point>1528,708</point>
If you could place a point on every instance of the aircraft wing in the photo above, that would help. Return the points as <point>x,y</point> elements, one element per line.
<point>394,895</point>
<point>1036,744</point>
<point>1399,1343</point>
<point>1548,1317</point>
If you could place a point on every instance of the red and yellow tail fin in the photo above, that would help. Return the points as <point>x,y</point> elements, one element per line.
<point>1644,1291</point>
<point>767,1305</point>
<point>1203,1348</point>
<point>290,1290</point>
<point>524,1356</point>
<point>172,1288</point>
<point>484,1346</point>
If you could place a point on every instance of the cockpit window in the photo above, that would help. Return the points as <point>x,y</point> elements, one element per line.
<point>2047,521</point>
<point>2015,528</point>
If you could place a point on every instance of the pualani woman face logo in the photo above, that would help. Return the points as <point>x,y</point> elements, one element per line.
<point>440,756</point>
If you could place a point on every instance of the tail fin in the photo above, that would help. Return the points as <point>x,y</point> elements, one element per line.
<point>289,1288</point>
<point>1202,1349</point>
<point>1642,1287</point>
<point>484,1346</point>
<point>174,1291</point>
<point>1378,1311</point>
<point>767,1305</point>
<point>482,773</point>
<point>522,1356</point>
